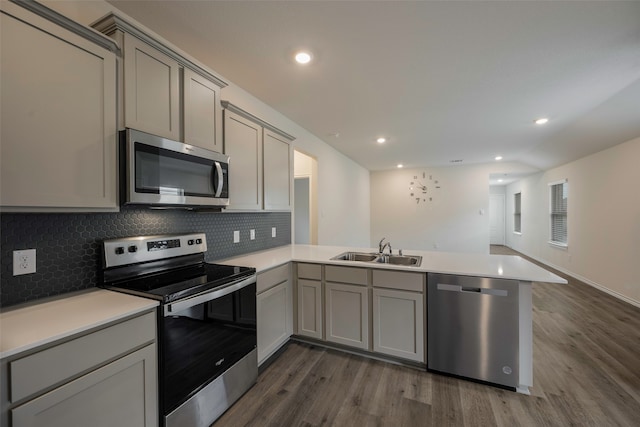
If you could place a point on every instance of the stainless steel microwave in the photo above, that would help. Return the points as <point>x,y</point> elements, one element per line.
<point>163,173</point>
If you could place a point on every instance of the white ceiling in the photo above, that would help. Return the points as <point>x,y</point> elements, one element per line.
<point>440,80</point>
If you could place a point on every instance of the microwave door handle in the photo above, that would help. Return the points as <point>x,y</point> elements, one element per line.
<point>220,179</point>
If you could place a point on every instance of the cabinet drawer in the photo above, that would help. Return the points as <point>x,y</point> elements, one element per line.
<point>54,365</point>
<point>121,393</point>
<point>270,278</point>
<point>309,271</point>
<point>399,280</point>
<point>356,276</point>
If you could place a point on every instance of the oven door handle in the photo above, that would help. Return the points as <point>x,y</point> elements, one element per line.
<point>173,308</point>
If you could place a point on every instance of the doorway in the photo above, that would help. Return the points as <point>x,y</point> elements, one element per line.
<point>496,219</point>
<point>305,206</point>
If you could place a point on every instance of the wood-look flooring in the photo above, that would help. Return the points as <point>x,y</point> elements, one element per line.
<point>586,353</point>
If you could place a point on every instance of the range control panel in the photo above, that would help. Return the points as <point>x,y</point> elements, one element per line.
<point>132,250</point>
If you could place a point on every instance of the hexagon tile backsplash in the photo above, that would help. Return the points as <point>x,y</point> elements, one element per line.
<point>68,245</point>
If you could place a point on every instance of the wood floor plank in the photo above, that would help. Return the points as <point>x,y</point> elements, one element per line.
<point>358,405</point>
<point>476,405</point>
<point>446,408</point>
<point>585,362</point>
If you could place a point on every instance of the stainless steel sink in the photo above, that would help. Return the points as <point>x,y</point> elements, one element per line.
<point>356,256</point>
<point>409,260</point>
<point>400,259</point>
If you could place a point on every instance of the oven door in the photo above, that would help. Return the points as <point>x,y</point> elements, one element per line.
<point>164,172</point>
<point>202,338</point>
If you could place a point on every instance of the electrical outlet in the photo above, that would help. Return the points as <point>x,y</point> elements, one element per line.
<point>24,262</point>
<point>273,232</point>
<point>252,234</point>
<point>236,236</point>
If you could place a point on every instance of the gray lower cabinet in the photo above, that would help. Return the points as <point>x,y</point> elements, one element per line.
<point>310,308</point>
<point>379,310</point>
<point>399,314</point>
<point>347,314</point>
<point>347,305</point>
<point>398,323</point>
<point>113,395</point>
<point>104,378</point>
<point>309,300</point>
<point>274,310</point>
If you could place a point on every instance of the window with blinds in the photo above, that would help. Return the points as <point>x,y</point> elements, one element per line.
<point>559,196</point>
<point>517,214</point>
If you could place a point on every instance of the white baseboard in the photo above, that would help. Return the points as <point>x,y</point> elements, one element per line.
<point>584,279</point>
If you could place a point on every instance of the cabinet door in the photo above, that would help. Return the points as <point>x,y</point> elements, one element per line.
<point>274,319</point>
<point>398,323</point>
<point>151,90</point>
<point>310,308</point>
<point>243,145</point>
<point>122,393</point>
<point>347,314</point>
<point>277,172</point>
<point>58,117</point>
<point>202,116</point>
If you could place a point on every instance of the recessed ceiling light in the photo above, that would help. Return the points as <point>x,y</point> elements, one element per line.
<point>381,140</point>
<point>499,180</point>
<point>498,157</point>
<point>303,57</point>
<point>541,121</point>
<point>400,166</point>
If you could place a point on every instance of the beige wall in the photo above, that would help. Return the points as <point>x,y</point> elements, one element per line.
<point>603,219</point>
<point>343,185</point>
<point>455,220</point>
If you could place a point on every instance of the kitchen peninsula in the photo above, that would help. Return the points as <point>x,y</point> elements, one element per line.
<point>374,309</point>
<point>379,309</point>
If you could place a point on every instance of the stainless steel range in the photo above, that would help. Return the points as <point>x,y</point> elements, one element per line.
<point>207,338</point>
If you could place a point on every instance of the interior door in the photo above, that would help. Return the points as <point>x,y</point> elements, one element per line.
<point>496,219</point>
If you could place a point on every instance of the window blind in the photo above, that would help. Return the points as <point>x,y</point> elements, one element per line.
<point>559,196</point>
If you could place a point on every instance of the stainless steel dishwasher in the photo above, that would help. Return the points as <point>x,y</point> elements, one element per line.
<point>473,328</point>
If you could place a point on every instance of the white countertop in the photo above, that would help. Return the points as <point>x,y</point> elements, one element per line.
<point>34,324</point>
<point>466,264</point>
<point>38,323</point>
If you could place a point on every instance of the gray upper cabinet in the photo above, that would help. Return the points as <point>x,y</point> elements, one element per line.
<point>202,112</point>
<point>58,104</point>
<point>276,172</point>
<point>164,92</point>
<point>151,90</point>
<point>260,166</point>
<point>243,145</point>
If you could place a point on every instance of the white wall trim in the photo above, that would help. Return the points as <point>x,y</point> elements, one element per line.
<point>585,280</point>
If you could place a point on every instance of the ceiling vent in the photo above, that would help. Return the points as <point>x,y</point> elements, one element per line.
<point>455,161</point>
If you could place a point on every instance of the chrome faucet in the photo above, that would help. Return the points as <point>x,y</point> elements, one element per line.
<point>382,247</point>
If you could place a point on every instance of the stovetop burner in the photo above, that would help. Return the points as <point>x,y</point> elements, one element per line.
<point>169,286</point>
<point>165,268</point>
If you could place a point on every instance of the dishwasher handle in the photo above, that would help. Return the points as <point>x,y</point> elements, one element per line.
<point>472,290</point>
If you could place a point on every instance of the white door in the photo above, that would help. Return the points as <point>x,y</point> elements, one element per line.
<point>496,218</point>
